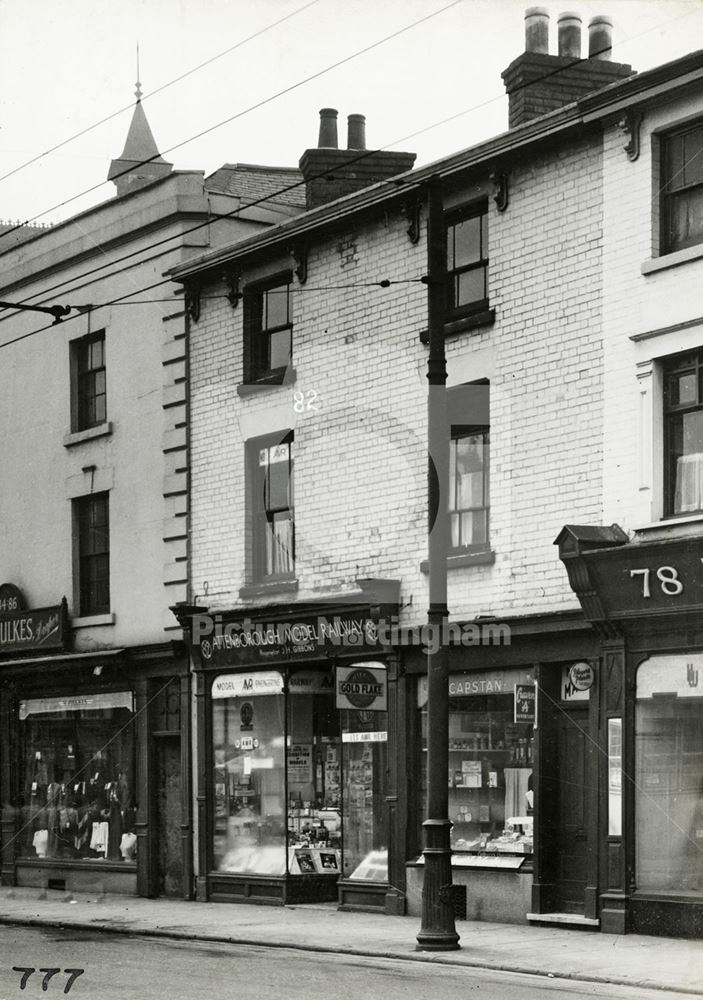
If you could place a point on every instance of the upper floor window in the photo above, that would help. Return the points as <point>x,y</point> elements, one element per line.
<point>682,188</point>
<point>468,413</point>
<point>88,382</point>
<point>683,434</point>
<point>268,329</point>
<point>273,526</point>
<point>467,261</point>
<point>92,520</point>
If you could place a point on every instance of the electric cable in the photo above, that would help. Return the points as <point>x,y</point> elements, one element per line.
<point>158,90</point>
<point>363,154</point>
<point>346,59</point>
<point>240,114</point>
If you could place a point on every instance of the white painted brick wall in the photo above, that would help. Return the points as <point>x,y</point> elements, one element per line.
<point>360,473</point>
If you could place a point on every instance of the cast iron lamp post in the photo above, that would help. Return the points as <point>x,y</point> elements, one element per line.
<point>438,931</point>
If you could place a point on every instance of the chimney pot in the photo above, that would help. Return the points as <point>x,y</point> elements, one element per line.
<point>569,35</point>
<point>537,30</point>
<point>600,37</point>
<point>356,132</point>
<point>328,129</point>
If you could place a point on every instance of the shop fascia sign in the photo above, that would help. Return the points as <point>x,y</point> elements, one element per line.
<point>262,682</point>
<point>76,703</point>
<point>480,682</point>
<point>245,642</point>
<point>35,629</point>
<point>638,579</point>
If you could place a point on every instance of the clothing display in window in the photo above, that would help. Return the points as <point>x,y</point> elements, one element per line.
<point>78,786</point>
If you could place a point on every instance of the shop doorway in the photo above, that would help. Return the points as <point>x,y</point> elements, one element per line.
<point>168,819</point>
<point>571,790</point>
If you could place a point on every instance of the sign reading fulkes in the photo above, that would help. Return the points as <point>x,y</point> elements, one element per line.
<point>41,628</point>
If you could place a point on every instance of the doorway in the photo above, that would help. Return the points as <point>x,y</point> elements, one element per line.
<point>168,818</point>
<point>571,785</point>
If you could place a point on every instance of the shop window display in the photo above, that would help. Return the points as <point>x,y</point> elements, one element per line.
<point>78,782</point>
<point>669,774</point>
<point>248,724</point>
<point>314,776</point>
<point>365,757</point>
<point>491,796</point>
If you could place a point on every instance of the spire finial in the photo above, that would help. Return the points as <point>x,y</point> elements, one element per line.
<point>138,91</point>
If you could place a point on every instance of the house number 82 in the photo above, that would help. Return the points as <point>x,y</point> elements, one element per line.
<point>668,580</point>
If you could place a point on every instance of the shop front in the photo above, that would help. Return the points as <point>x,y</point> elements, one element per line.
<point>81,802</point>
<point>519,778</point>
<point>293,741</point>
<point>644,599</point>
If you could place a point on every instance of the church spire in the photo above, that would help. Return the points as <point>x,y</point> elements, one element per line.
<point>140,162</point>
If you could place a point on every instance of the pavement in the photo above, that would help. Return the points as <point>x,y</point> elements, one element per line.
<point>632,959</point>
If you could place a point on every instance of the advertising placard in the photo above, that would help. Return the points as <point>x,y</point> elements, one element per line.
<point>361,687</point>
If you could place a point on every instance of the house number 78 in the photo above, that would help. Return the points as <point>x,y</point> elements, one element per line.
<point>667,576</point>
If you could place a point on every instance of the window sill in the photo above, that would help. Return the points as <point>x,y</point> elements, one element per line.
<point>78,437</point>
<point>456,327</point>
<point>672,259</point>
<point>459,560</point>
<point>669,522</point>
<point>272,587</point>
<point>274,381</point>
<point>88,621</point>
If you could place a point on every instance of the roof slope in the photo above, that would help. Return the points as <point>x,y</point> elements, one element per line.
<point>279,185</point>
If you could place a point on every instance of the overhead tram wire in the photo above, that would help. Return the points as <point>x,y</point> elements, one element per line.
<point>411,135</point>
<point>157,90</point>
<point>258,201</point>
<point>297,184</point>
<point>314,76</point>
<point>241,114</point>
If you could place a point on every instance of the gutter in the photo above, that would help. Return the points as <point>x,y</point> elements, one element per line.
<point>662,80</point>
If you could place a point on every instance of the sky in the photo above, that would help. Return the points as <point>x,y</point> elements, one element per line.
<point>66,65</point>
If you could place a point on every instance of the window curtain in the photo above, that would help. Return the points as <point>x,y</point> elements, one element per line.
<point>279,545</point>
<point>688,493</point>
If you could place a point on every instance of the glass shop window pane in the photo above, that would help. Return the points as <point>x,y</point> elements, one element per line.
<point>614,777</point>
<point>314,776</point>
<point>491,797</point>
<point>78,799</point>
<point>364,763</point>
<point>249,784</point>
<point>668,780</point>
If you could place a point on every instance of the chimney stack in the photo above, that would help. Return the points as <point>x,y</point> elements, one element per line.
<point>569,27</point>
<point>538,83</point>
<point>331,173</point>
<point>537,30</point>
<point>356,132</point>
<point>328,129</point>
<point>600,37</point>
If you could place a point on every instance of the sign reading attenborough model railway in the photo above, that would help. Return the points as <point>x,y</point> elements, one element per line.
<point>246,642</point>
<point>361,686</point>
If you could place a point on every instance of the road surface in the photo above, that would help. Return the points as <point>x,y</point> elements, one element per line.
<point>119,967</point>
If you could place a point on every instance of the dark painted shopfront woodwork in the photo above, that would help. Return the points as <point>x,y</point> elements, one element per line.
<point>524,834</point>
<point>644,600</point>
<point>78,767</point>
<point>286,762</point>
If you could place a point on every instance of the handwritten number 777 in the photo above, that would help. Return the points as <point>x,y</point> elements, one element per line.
<point>27,971</point>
